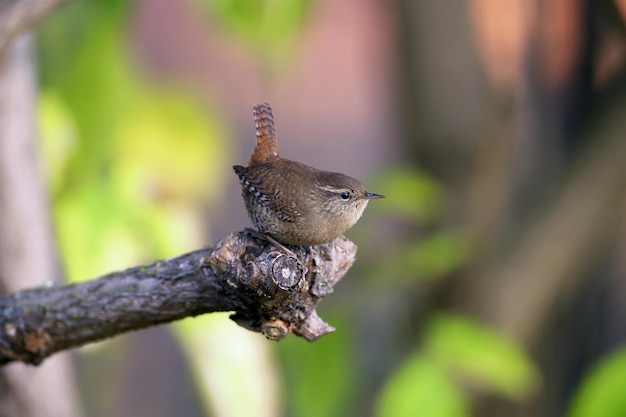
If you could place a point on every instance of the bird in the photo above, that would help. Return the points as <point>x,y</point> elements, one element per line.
<point>292,203</point>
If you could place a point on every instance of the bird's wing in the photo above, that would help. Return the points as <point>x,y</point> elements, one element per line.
<point>258,180</point>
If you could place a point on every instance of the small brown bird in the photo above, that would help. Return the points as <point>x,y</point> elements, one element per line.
<point>294,203</point>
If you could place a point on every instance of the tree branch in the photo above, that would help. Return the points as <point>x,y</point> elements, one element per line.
<point>269,291</point>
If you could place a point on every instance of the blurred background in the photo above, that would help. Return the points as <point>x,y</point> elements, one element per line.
<point>490,282</point>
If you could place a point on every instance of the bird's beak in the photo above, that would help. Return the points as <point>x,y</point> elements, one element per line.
<point>371,196</point>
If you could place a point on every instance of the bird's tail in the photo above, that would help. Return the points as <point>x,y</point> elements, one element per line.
<point>266,147</point>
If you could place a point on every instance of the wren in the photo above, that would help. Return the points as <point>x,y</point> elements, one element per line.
<point>293,203</point>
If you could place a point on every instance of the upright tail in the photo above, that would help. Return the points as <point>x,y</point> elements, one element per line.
<point>266,147</point>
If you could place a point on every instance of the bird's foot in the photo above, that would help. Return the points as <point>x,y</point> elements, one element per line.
<point>281,246</point>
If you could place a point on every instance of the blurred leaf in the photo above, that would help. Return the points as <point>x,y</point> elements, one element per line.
<point>131,160</point>
<point>320,376</point>
<point>480,354</point>
<point>100,89</point>
<point>62,38</point>
<point>410,193</point>
<point>166,156</point>
<point>602,392</point>
<point>166,149</point>
<point>83,221</point>
<point>421,387</point>
<point>437,255</point>
<point>58,136</point>
<point>269,26</point>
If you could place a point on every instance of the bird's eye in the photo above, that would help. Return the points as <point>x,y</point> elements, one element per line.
<point>345,195</point>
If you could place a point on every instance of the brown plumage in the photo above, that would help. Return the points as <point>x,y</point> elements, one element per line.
<point>292,202</point>
<point>266,148</point>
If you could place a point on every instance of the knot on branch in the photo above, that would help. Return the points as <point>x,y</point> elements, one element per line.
<point>22,336</point>
<point>274,292</point>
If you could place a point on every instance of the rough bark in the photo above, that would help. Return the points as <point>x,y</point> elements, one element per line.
<point>268,290</point>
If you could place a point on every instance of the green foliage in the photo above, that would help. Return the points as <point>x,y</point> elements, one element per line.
<point>456,351</point>
<point>416,200</point>
<point>480,355</point>
<point>435,256</point>
<point>127,159</point>
<point>58,137</point>
<point>421,387</point>
<point>270,28</point>
<point>321,377</point>
<point>411,194</point>
<point>602,392</point>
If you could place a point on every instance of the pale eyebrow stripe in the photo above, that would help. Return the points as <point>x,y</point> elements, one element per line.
<point>332,189</point>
